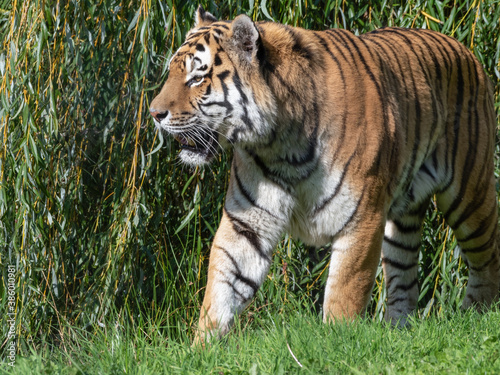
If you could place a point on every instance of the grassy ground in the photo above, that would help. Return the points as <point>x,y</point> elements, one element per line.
<point>458,343</point>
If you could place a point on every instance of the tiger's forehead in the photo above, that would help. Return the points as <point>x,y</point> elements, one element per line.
<point>196,50</point>
<point>188,61</point>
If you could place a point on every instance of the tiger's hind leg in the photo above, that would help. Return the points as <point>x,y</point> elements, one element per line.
<point>474,220</point>
<point>402,240</point>
<point>400,249</point>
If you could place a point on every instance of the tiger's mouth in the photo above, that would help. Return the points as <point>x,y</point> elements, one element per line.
<point>202,146</point>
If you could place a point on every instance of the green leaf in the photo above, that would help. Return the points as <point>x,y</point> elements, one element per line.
<point>186,220</point>
<point>264,10</point>
<point>134,20</point>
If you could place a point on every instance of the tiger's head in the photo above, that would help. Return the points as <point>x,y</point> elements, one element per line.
<point>215,94</point>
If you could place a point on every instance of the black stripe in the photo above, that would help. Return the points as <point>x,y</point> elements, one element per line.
<point>488,245</point>
<point>424,168</point>
<point>481,185</point>
<point>223,75</point>
<point>242,189</point>
<point>407,286</point>
<point>419,209</point>
<point>476,286</point>
<point>291,90</point>
<point>312,141</point>
<point>340,136</point>
<point>263,167</point>
<point>266,65</point>
<point>424,68</point>
<point>390,89</point>
<point>325,202</point>
<point>238,275</point>
<point>399,265</point>
<point>243,101</point>
<point>434,160</point>
<point>252,284</point>
<point>389,281</point>
<point>246,194</point>
<point>399,245</point>
<point>216,38</point>
<point>407,228</point>
<point>398,79</point>
<point>267,173</point>
<point>200,29</point>
<point>376,163</point>
<point>430,51</point>
<point>217,30</point>
<point>239,87</point>
<point>209,73</point>
<point>439,42</point>
<point>307,157</point>
<point>471,207</point>
<point>485,264</point>
<point>335,40</point>
<point>323,42</point>
<point>340,37</point>
<point>208,91</point>
<point>458,113</point>
<point>299,47</point>
<point>353,215</point>
<point>237,271</point>
<point>278,177</point>
<point>470,158</point>
<point>391,302</point>
<point>431,82</point>
<point>217,60</point>
<point>240,295</point>
<point>417,123</point>
<point>244,230</point>
<point>360,57</point>
<point>226,104</point>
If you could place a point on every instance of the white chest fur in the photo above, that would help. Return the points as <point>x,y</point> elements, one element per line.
<point>323,207</point>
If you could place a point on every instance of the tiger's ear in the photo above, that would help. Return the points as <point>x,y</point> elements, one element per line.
<point>244,37</point>
<point>203,18</point>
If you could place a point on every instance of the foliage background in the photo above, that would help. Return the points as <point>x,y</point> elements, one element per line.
<point>100,220</point>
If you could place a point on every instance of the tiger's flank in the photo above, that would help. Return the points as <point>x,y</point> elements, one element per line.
<point>338,139</point>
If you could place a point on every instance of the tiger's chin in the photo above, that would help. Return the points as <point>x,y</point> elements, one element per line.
<point>196,157</point>
<point>199,149</point>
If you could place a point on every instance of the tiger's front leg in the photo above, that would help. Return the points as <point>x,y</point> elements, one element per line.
<point>239,260</point>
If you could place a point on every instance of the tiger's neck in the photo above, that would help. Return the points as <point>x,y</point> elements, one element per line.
<point>293,74</point>
<point>292,66</point>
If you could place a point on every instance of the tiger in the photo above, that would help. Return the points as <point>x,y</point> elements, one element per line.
<point>341,141</point>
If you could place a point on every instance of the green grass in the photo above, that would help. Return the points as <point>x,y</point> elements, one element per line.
<point>455,344</point>
<point>105,227</point>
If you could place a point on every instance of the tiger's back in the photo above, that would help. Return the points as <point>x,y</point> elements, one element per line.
<point>337,139</point>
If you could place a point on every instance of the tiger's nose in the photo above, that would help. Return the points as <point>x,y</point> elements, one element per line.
<point>158,115</point>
